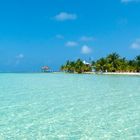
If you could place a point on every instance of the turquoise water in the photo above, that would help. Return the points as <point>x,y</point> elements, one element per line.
<point>69,107</point>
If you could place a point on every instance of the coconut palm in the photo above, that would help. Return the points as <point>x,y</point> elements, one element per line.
<point>138,63</point>
<point>112,63</point>
<point>101,65</point>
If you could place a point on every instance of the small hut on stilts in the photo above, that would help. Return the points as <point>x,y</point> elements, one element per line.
<point>45,69</point>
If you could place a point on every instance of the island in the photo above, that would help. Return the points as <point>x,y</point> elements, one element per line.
<point>112,63</point>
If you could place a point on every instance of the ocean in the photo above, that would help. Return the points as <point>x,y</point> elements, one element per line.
<point>69,107</point>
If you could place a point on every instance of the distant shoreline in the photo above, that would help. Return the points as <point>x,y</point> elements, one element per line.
<point>94,73</point>
<point>114,73</point>
<point>105,73</point>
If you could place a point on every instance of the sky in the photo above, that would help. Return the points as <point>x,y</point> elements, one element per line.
<point>34,33</point>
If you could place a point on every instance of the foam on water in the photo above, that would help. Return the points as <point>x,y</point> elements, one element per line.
<point>69,107</point>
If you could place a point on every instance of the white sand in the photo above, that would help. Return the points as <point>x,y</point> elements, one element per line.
<point>114,73</point>
<point>122,73</point>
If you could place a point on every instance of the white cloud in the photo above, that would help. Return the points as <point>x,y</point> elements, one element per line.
<point>87,38</point>
<point>136,44</point>
<point>63,16</point>
<point>71,44</point>
<point>86,49</point>
<point>128,1</point>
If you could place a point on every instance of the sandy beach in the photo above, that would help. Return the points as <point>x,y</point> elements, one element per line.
<point>115,73</point>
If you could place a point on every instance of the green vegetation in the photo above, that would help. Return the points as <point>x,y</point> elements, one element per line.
<point>76,67</point>
<point>112,63</point>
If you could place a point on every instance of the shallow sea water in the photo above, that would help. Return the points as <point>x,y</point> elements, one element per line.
<point>69,107</point>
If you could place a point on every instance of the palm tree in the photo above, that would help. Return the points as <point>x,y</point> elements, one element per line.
<point>122,65</point>
<point>112,63</point>
<point>138,63</point>
<point>79,66</point>
<point>72,66</point>
<point>113,60</point>
<point>101,65</point>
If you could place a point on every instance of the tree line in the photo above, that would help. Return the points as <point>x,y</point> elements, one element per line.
<point>111,63</point>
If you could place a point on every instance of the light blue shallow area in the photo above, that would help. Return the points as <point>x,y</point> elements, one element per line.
<point>69,107</point>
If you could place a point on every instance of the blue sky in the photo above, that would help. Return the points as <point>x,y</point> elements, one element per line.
<point>49,32</point>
